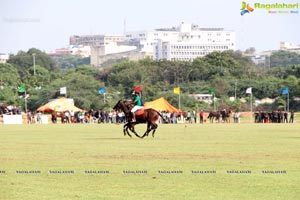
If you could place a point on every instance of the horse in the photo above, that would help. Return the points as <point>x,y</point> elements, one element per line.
<point>225,115</point>
<point>214,115</point>
<point>149,116</point>
<point>62,115</point>
<point>5,109</point>
<point>96,116</point>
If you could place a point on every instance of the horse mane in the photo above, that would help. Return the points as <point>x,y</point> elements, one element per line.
<point>122,105</point>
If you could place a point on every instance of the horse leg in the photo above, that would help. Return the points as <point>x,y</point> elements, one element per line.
<point>125,130</point>
<point>147,130</point>
<point>131,128</point>
<point>154,129</point>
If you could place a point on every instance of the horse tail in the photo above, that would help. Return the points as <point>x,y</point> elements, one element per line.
<point>164,120</point>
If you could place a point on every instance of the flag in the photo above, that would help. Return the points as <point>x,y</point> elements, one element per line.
<point>285,91</point>
<point>249,90</point>
<point>176,90</point>
<point>137,89</point>
<point>212,91</point>
<point>22,89</point>
<point>101,91</point>
<point>63,90</point>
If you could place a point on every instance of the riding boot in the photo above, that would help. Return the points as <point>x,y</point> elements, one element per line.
<point>133,117</point>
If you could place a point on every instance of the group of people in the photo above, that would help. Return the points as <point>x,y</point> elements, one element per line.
<point>137,103</point>
<point>10,109</point>
<point>274,117</point>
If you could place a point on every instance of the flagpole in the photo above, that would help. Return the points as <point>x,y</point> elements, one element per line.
<point>251,106</point>
<point>288,102</point>
<point>179,100</point>
<point>25,99</point>
<point>214,102</point>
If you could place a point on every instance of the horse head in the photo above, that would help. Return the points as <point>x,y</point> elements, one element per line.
<point>118,105</point>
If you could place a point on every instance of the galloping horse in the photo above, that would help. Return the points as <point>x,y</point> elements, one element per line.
<point>149,116</point>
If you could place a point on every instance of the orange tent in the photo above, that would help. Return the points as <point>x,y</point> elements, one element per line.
<point>161,104</point>
<point>62,104</point>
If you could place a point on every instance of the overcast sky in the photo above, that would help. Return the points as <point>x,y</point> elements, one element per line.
<point>48,24</point>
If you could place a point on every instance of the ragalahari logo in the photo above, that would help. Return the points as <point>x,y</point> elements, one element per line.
<point>246,8</point>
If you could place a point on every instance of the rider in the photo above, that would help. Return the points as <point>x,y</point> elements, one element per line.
<point>137,102</point>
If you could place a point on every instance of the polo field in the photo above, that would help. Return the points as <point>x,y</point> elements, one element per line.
<point>183,161</point>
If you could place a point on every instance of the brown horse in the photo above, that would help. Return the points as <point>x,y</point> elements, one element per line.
<point>149,116</point>
<point>4,109</point>
<point>56,114</point>
<point>214,115</point>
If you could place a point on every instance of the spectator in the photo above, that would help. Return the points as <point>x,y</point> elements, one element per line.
<point>285,117</point>
<point>201,115</point>
<point>292,117</point>
<point>39,117</point>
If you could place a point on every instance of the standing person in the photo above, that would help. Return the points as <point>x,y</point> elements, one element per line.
<point>29,117</point>
<point>188,117</point>
<point>174,118</point>
<point>292,117</point>
<point>67,117</point>
<point>285,117</point>
<point>201,115</point>
<point>39,117</point>
<point>194,115</point>
<point>236,117</point>
<point>72,116</point>
<point>137,102</point>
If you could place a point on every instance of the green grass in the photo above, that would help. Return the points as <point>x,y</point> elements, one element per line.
<point>219,147</point>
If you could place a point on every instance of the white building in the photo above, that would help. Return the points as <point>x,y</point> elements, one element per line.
<point>184,43</point>
<point>289,47</point>
<point>147,40</point>
<point>80,50</point>
<point>207,98</point>
<point>112,51</point>
<point>4,58</point>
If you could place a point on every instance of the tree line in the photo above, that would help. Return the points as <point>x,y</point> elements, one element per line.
<point>229,73</point>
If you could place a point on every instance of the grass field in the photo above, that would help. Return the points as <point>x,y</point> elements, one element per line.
<point>211,161</point>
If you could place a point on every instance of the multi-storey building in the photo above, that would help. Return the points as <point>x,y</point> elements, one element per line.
<point>146,41</point>
<point>184,43</point>
<point>94,40</point>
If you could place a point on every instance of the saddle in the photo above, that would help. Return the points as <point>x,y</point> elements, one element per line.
<point>139,112</point>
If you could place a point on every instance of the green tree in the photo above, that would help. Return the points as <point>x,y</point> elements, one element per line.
<point>284,59</point>
<point>25,60</point>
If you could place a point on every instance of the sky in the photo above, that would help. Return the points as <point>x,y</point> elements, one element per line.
<point>48,24</point>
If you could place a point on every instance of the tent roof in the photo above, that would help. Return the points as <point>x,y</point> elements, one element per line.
<point>62,104</point>
<point>161,104</point>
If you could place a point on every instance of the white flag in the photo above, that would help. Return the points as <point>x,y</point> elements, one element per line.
<point>249,90</point>
<point>63,90</point>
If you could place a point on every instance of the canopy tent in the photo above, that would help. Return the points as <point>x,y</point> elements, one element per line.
<point>161,104</point>
<point>62,104</point>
